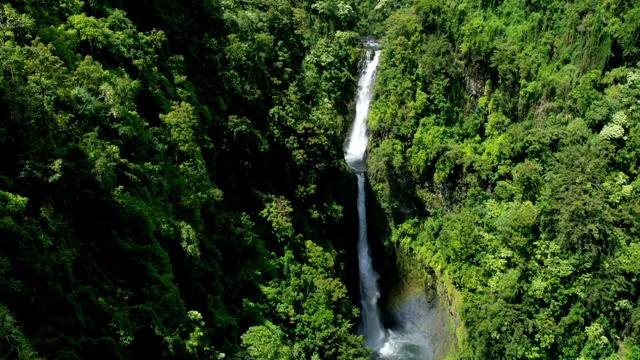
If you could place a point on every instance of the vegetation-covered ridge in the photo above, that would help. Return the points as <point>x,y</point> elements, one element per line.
<point>171,175</point>
<point>506,155</point>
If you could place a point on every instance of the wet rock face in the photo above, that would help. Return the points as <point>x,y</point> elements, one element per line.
<point>419,325</point>
<point>358,165</point>
<point>369,42</point>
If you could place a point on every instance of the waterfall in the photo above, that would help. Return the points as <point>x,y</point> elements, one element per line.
<point>356,146</point>
<point>406,340</point>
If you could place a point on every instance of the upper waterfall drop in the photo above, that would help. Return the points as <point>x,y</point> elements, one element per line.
<point>356,144</point>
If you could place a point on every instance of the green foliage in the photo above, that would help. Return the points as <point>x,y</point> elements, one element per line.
<point>313,313</point>
<point>12,203</point>
<point>505,155</point>
<point>13,344</point>
<point>266,342</point>
<point>165,161</point>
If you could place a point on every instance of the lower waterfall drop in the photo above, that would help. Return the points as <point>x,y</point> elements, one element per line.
<point>372,328</point>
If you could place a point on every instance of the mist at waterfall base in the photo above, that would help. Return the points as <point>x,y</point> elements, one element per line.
<point>404,340</point>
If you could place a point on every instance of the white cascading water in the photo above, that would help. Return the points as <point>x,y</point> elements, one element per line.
<point>356,146</point>
<point>372,328</point>
<point>358,137</point>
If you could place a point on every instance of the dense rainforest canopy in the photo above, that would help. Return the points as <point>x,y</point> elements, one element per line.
<point>170,177</point>
<point>172,183</point>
